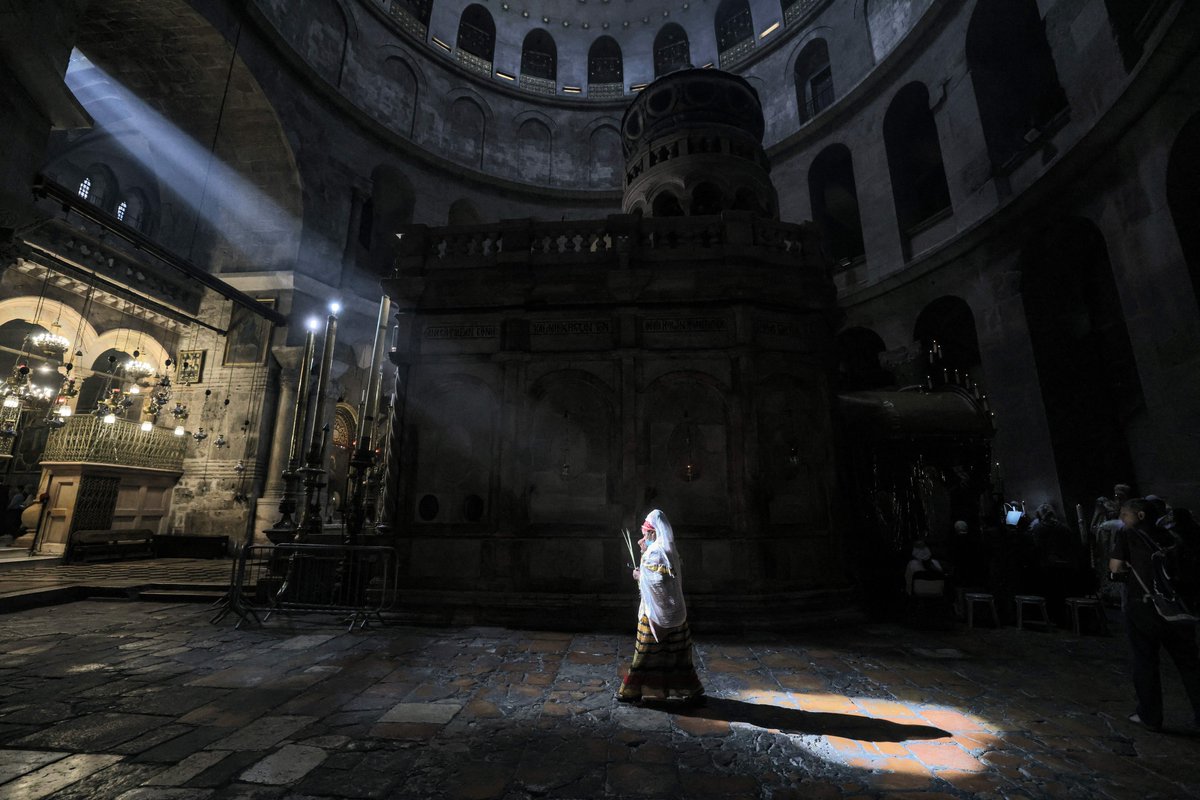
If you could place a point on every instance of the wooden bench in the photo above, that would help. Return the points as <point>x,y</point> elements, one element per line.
<point>111,545</point>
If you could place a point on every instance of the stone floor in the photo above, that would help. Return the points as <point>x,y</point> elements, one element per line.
<point>118,699</point>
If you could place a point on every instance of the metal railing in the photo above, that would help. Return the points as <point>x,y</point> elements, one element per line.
<point>87,439</point>
<point>356,582</point>
<point>606,91</point>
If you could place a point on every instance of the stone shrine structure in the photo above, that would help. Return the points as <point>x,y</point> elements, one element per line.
<point>560,379</point>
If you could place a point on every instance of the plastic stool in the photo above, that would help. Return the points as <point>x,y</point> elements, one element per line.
<point>1023,600</point>
<point>971,598</point>
<point>1077,604</point>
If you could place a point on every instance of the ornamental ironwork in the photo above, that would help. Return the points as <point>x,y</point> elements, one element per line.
<point>87,439</point>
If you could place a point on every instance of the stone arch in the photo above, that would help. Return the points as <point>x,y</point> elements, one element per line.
<point>950,323</point>
<point>813,79</point>
<point>99,186</point>
<point>606,68</point>
<point>834,197</point>
<point>666,202</point>
<point>454,436</point>
<point>685,445</point>
<point>605,160</point>
<point>574,447</point>
<point>326,38</point>
<point>126,340</point>
<point>1183,197</point>
<point>392,204</point>
<point>706,199</point>
<point>1012,69</point>
<point>463,212</point>
<point>399,95</point>
<point>914,153</point>
<point>734,29</point>
<point>535,149</point>
<point>122,43</point>
<point>25,308</point>
<point>477,32</point>
<point>671,50</point>
<point>539,56</point>
<point>858,350</point>
<point>466,129</point>
<point>889,21</point>
<point>1080,341</point>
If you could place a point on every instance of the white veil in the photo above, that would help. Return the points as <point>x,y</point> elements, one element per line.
<point>661,580</point>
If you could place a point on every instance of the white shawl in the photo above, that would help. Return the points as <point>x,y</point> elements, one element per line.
<point>661,581</point>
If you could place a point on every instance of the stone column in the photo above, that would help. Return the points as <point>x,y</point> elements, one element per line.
<point>267,508</point>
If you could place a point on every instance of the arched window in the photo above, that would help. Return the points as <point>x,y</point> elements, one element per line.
<point>1079,337</point>
<point>606,71</point>
<point>671,51</point>
<point>735,31</point>
<point>134,214</point>
<point>834,199</point>
<point>914,158</point>
<point>99,187</point>
<point>476,43</point>
<point>1012,70</point>
<point>539,63</point>
<point>814,80</point>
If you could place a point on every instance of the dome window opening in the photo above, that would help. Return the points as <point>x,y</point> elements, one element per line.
<point>476,43</point>
<point>735,32</point>
<point>539,63</point>
<point>606,69</point>
<point>671,50</point>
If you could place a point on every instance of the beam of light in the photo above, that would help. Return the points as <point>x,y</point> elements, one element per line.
<point>247,218</point>
<point>838,739</point>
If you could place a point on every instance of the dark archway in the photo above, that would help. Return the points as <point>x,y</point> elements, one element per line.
<point>477,33</point>
<point>735,31</point>
<point>914,154</point>
<point>1012,70</point>
<point>1183,197</point>
<point>858,350</point>
<point>1084,360</point>
<point>834,200</point>
<point>814,80</point>
<point>539,62</point>
<point>606,69</point>
<point>671,50</point>
<point>950,323</point>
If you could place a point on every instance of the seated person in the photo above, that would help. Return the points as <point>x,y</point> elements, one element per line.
<point>924,575</point>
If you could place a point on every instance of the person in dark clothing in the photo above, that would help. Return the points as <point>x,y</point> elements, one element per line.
<point>1132,549</point>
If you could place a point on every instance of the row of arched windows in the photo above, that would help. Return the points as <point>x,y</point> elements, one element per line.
<point>476,46</point>
<point>100,188</point>
<point>1018,96</point>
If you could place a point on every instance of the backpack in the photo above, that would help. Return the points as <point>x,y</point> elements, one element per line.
<point>1162,591</point>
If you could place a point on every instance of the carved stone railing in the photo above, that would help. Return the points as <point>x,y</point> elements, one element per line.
<point>89,440</point>
<point>736,53</point>
<point>473,62</point>
<point>599,240</point>
<point>408,23</point>
<point>799,10</point>
<point>606,91</point>
<point>538,85</point>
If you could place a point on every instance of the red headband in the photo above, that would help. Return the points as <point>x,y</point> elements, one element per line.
<point>647,527</point>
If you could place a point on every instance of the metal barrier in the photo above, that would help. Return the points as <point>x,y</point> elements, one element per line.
<point>358,582</point>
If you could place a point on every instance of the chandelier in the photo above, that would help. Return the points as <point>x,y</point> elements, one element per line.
<point>136,369</point>
<point>51,344</point>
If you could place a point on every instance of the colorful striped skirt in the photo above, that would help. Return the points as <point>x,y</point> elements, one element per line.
<point>662,670</point>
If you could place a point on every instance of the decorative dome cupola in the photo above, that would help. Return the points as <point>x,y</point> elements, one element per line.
<point>692,142</point>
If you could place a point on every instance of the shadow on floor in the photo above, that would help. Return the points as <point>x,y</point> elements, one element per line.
<point>819,723</point>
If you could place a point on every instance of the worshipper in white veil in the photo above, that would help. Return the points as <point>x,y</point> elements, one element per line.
<point>662,667</point>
